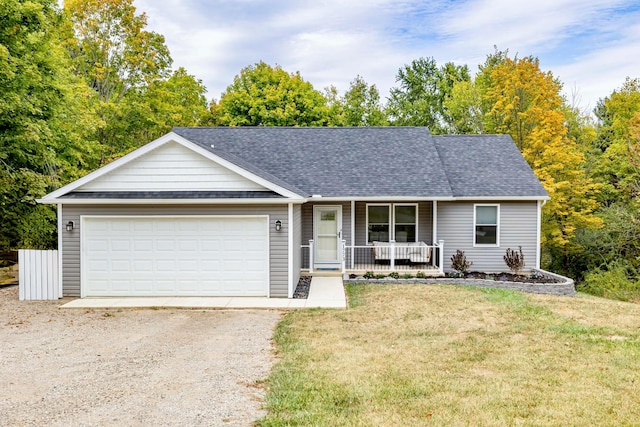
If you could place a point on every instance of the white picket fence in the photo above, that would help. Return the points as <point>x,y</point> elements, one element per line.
<point>38,275</point>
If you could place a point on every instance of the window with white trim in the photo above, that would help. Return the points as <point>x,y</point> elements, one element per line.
<point>388,221</point>
<point>486,220</point>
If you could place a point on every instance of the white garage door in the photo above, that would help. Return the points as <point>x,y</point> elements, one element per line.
<point>175,256</point>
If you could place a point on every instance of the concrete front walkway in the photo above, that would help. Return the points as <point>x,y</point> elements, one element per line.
<point>324,292</point>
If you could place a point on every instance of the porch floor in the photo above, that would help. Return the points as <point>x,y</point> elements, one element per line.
<point>360,269</point>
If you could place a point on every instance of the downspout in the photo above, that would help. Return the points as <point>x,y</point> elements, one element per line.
<point>539,232</point>
<point>291,248</point>
<point>60,250</point>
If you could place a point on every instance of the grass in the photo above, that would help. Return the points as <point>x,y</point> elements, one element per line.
<point>444,355</point>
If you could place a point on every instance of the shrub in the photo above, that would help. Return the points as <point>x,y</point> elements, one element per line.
<point>514,259</point>
<point>618,281</point>
<point>369,275</point>
<point>455,274</point>
<point>421,275</point>
<point>459,262</point>
<point>406,276</point>
<point>380,276</point>
<point>394,275</point>
<point>38,229</point>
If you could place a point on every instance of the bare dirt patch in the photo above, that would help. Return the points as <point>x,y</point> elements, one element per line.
<point>131,367</point>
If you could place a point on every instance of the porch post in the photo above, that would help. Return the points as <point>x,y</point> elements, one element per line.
<point>311,256</point>
<point>392,261</point>
<point>441,266</point>
<point>434,225</point>
<point>353,232</point>
<point>343,249</point>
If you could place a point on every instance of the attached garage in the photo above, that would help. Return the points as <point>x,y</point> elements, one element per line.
<point>174,256</point>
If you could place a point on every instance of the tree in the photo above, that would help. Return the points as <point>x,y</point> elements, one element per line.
<point>42,115</point>
<point>423,89</point>
<point>618,143</point>
<point>117,58</point>
<point>464,109</point>
<point>525,102</point>
<point>335,106</point>
<point>262,95</point>
<point>361,104</point>
<point>153,110</point>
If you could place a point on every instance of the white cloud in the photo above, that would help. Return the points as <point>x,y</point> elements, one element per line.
<point>583,42</point>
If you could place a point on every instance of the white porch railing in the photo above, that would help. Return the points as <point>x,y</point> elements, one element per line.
<point>391,256</point>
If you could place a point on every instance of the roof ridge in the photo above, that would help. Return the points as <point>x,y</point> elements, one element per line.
<point>446,172</point>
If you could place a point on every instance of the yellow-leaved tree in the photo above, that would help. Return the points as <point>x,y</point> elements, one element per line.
<point>525,102</point>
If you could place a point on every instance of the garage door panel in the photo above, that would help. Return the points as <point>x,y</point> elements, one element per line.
<point>181,256</point>
<point>143,266</point>
<point>188,245</point>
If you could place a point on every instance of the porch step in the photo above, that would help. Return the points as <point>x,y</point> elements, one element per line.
<point>322,273</point>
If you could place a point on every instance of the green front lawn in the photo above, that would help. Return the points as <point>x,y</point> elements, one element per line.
<point>409,355</point>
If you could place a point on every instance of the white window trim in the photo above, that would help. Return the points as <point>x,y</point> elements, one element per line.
<point>473,235</point>
<point>392,219</point>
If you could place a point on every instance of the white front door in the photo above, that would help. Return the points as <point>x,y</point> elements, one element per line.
<point>327,221</point>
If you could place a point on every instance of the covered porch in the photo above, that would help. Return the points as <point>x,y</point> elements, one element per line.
<point>398,257</point>
<point>357,237</point>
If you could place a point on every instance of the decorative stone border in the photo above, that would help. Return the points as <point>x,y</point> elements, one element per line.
<point>564,288</point>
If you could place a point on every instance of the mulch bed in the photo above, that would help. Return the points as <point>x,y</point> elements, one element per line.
<point>302,289</point>
<point>510,277</point>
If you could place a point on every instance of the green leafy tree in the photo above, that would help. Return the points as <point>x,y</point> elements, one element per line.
<point>612,254</point>
<point>335,106</point>
<point>617,166</point>
<point>118,59</point>
<point>262,95</point>
<point>464,109</point>
<point>43,115</point>
<point>361,104</point>
<point>423,88</point>
<point>153,110</point>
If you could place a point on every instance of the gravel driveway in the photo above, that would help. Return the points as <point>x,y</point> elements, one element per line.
<point>131,367</point>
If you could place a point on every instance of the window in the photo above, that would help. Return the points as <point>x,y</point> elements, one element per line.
<point>387,222</point>
<point>378,221</point>
<point>405,220</point>
<point>486,219</point>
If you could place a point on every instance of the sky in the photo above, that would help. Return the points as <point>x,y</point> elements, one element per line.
<point>591,46</point>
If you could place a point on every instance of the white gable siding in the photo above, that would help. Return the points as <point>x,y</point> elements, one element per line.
<point>518,227</point>
<point>171,167</point>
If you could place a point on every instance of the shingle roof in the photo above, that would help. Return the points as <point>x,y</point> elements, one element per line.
<point>486,165</point>
<point>372,161</point>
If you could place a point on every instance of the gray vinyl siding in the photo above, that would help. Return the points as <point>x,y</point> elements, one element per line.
<point>425,221</point>
<point>517,227</point>
<point>297,253</point>
<point>278,240</point>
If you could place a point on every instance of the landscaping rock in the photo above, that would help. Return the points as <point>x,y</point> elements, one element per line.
<point>546,283</point>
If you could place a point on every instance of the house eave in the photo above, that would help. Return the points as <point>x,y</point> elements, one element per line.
<point>198,201</point>
<point>502,198</point>
<point>379,198</point>
<point>423,198</point>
